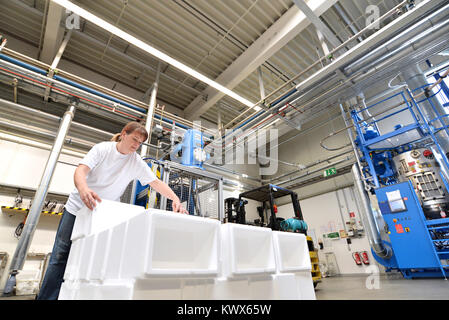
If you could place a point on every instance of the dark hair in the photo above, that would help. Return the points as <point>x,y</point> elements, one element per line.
<point>129,128</point>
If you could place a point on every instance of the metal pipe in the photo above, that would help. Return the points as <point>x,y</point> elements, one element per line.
<point>151,108</point>
<point>308,166</point>
<point>314,171</point>
<point>345,18</point>
<point>394,44</point>
<point>22,248</point>
<point>433,35</point>
<point>220,200</point>
<point>415,78</point>
<point>67,81</point>
<point>368,27</point>
<point>232,172</point>
<point>370,223</point>
<point>354,147</point>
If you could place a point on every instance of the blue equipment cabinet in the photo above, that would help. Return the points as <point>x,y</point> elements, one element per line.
<point>408,230</point>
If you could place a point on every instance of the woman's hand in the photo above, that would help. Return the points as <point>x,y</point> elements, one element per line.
<point>177,207</point>
<point>88,197</point>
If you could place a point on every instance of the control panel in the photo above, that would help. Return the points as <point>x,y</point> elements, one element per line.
<point>406,226</point>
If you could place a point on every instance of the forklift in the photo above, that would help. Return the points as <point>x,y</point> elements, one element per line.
<point>267,194</point>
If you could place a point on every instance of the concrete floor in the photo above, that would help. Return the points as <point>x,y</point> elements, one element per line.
<point>386,287</point>
<point>389,288</point>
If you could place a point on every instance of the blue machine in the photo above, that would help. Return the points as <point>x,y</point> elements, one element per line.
<point>190,152</point>
<point>407,169</point>
<point>415,245</point>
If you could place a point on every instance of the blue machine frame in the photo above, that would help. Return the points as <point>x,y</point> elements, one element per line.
<point>416,242</point>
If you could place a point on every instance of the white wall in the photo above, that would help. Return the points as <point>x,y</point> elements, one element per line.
<point>322,215</point>
<point>23,166</point>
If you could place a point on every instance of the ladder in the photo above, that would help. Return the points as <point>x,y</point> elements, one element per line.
<point>439,225</point>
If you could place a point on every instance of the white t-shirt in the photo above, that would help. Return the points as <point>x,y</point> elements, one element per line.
<point>110,173</point>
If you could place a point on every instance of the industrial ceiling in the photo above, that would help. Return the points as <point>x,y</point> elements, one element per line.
<point>216,38</point>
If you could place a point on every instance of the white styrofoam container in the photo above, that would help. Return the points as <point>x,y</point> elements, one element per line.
<point>304,283</point>
<point>69,290</point>
<point>73,261</point>
<point>198,289</point>
<point>262,288</point>
<point>167,244</point>
<point>107,290</point>
<point>105,215</point>
<point>246,250</point>
<point>98,260</point>
<point>114,255</point>
<point>236,288</point>
<point>286,287</point>
<point>291,251</point>
<point>86,256</point>
<point>83,224</point>
<point>157,289</point>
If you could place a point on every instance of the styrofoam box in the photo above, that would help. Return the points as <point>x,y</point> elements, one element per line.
<point>246,250</point>
<point>291,251</point>
<point>73,262</point>
<point>236,288</point>
<point>304,282</point>
<point>105,215</point>
<point>157,289</point>
<point>108,290</point>
<point>114,254</point>
<point>286,286</point>
<point>164,244</point>
<point>262,287</point>
<point>198,289</point>
<point>97,267</point>
<point>86,256</point>
<point>69,290</point>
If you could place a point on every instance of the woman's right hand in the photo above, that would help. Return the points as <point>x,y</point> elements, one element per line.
<point>88,197</point>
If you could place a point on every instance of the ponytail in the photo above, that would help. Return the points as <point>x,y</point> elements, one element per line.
<point>116,137</point>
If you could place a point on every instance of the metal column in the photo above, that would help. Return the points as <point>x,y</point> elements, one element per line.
<point>369,221</point>
<point>166,180</point>
<point>151,107</point>
<point>432,108</point>
<point>23,246</point>
<point>148,127</point>
<point>220,200</point>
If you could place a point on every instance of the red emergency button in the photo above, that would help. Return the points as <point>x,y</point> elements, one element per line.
<point>427,153</point>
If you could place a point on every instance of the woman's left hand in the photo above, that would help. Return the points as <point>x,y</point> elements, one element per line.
<point>177,207</point>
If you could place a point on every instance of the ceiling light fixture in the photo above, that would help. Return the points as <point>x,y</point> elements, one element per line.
<point>154,52</point>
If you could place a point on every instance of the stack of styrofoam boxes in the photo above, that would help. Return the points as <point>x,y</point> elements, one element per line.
<point>293,278</point>
<point>92,238</point>
<point>247,264</point>
<point>121,251</point>
<point>153,254</point>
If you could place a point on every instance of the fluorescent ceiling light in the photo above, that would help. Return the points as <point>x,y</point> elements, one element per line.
<point>144,46</point>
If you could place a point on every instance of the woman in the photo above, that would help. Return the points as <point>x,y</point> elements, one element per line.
<point>105,172</point>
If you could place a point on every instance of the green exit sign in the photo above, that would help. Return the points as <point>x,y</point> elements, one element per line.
<point>329,172</point>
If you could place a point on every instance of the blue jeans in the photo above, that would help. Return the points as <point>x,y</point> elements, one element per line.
<point>56,267</point>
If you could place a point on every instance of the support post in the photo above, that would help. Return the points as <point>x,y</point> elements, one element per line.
<point>23,246</point>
